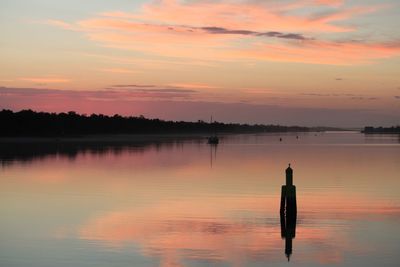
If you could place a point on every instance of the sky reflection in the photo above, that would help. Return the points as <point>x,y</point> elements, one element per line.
<point>169,207</point>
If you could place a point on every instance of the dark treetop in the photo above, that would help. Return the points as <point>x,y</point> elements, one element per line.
<point>31,123</point>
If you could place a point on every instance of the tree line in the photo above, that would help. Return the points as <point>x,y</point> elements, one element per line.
<point>382,130</point>
<point>32,123</point>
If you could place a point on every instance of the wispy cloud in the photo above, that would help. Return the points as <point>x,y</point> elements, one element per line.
<point>232,30</point>
<point>219,30</point>
<point>61,24</point>
<point>45,80</point>
<point>134,85</point>
<point>363,98</point>
<point>341,95</point>
<point>119,70</point>
<point>194,85</point>
<point>121,93</point>
<point>244,15</point>
<point>170,90</point>
<point>190,87</point>
<point>334,3</point>
<point>322,52</point>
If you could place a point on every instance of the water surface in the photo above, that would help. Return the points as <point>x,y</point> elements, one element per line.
<point>190,204</point>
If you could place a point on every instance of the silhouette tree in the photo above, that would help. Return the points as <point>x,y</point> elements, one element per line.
<point>31,123</point>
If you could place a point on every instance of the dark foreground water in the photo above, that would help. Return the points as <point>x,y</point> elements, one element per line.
<point>190,204</point>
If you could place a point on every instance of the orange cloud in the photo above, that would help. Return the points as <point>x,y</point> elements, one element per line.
<point>232,31</point>
<point>45,80</point>
<point>61,24</point>
<point>119,70</point>
<point>330,2</point>
<point>321,52</point>
<point>230,15</point>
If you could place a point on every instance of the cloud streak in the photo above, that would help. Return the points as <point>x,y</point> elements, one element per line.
<point>219,30</point>
<point>125,93</point>
<point>348,96</point>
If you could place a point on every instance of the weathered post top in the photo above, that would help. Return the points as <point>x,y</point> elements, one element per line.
<point>289,176</point>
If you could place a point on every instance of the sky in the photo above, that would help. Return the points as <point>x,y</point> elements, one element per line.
<point>292,62</point>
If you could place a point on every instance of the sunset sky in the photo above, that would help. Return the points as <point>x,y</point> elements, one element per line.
<point>304,62</point>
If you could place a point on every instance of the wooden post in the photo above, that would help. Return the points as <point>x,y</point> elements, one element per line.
<point>288,212</point>
<point>288,195</point>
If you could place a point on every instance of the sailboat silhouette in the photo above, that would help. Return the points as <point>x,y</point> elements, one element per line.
<point>213,139</point>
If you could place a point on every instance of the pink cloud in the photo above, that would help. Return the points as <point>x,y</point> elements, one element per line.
<point>228,14</point>
<point>321,52</point>
<point>330,2</point>
<point>302,51</point>
<point>231,31</point>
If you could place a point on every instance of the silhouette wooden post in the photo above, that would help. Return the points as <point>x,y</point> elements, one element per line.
<point>288,196</point>
<point>288,212</point>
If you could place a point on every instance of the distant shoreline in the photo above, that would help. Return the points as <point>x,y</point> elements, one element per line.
<point>32,124</point>
<point>381,130</point>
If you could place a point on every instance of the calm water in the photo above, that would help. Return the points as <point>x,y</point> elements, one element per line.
<point>188,204</point>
